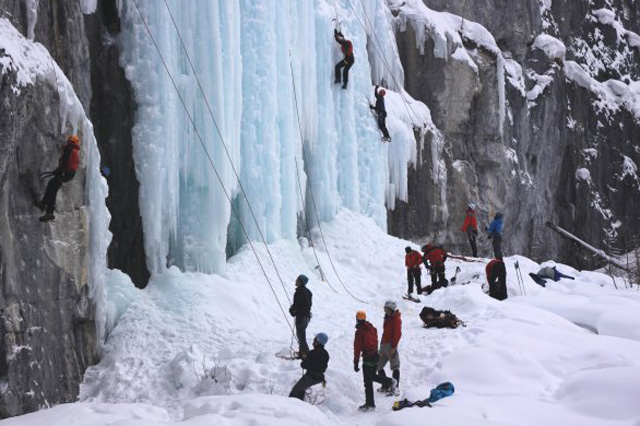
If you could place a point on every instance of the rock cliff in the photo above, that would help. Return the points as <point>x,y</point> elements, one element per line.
<point>567,150</point>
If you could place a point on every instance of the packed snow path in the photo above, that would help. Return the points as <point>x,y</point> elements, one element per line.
<point>519,362</point>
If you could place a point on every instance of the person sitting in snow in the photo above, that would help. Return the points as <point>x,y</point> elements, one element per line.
<point>548,273</point>
<point>497,279</point>
<point>67,166</point>
<point>381,112</point>
<point>301,310</point>
<point>316,364</point>
<point>347,62</point>
<point>434,259</point>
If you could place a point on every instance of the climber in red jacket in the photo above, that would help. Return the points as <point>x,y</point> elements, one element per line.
<point>471,228</point>
<point>347,62</point>
<point>412,261</point>
<point>366,343</point>
<point>389,343</point>
<point>434,258</point>
<point>67,166</point>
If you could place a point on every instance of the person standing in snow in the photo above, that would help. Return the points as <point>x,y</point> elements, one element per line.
<point>412,261</point>
<point>470,226</point>
<point>497,279</point>
<point>67,166</point>
<point>347,62</point>
<point>381,112</point>
<point>316,364</point>
<point>365,343</point>
<point>389,344</point>
<point>495,232</point>
<point>301,310</point>
<point>433,259</point>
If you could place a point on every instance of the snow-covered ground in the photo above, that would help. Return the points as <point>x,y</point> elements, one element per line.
<point>519,362</point>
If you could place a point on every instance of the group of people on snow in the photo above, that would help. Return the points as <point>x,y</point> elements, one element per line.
<point>374,356</point>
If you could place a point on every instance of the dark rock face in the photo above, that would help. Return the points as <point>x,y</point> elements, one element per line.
<point>534,171</point>
<point>112,116</point>
<point>47,328</point>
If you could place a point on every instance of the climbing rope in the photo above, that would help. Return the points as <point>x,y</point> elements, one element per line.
<point>226,150</point>
<point>313,201</point>
<point>378,47</point>
<point>226,193</point>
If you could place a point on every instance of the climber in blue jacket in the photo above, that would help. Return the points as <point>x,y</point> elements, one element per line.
<point>495,233</point>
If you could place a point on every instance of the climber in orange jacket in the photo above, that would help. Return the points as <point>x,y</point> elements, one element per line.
<point>67,166</point>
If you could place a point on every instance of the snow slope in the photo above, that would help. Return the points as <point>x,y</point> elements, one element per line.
<point>518,362</point>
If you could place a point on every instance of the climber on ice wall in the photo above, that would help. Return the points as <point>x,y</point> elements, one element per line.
<point>67,166</point>
<point>381,112</point>
<point>347,62</point>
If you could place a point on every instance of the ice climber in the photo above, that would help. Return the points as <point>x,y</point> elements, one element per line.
<point>366,343</point>
<point>389,344</point>
<point>412,261</point>
<point>434,259</point>
<point>497,279</point>
<point>347,62</point>
<point>495,232</point>
<point>301,310</point>
<point>316,364</point>
<point>470,226</point>
<point>67,166</point>
<point>381,112</point>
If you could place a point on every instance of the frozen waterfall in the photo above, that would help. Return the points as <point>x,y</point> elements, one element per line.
<point>247,57</point>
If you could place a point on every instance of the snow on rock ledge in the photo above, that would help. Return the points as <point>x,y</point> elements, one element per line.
<point>551,46</point>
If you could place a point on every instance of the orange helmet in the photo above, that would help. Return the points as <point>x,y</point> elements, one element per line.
<point>74,139</point>
<point>361,315</point>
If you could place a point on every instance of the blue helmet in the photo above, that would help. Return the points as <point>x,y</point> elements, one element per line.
<point>322,338</point>
<point>303,279</point>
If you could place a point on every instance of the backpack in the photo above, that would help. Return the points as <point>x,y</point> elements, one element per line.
<point>439,319</point>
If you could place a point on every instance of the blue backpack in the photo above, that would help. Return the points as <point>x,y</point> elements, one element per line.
<point>443,390</point>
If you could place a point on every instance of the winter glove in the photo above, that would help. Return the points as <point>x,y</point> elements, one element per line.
<point>292,311</point>
<point>371,107</point>
<point>392,351</point>
<point>356,368</point>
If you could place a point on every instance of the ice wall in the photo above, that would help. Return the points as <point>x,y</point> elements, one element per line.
<point>248,55</point>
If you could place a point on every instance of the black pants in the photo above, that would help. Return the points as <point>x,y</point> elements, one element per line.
<point>301,333</point>
<point>498,282</point>
<point>49,199</point>
<point>382,125</point>
<point>414,274</point>
<point>438,279</point>
<point>346,63</point>
<point>472,242</point>
<point>497,246</point>
<point>305,382</point>
<point>370,374</point>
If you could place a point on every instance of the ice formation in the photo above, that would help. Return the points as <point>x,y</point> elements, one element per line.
<point>248,57</point>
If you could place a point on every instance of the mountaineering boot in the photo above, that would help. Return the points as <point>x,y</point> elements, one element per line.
<point>337,81</point>
<point>47,217</point>
<point>393,389</point>
<point>365,408</point>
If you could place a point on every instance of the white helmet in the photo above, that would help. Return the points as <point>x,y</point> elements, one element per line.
<point>390,304</point>
<point>471,206</point>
